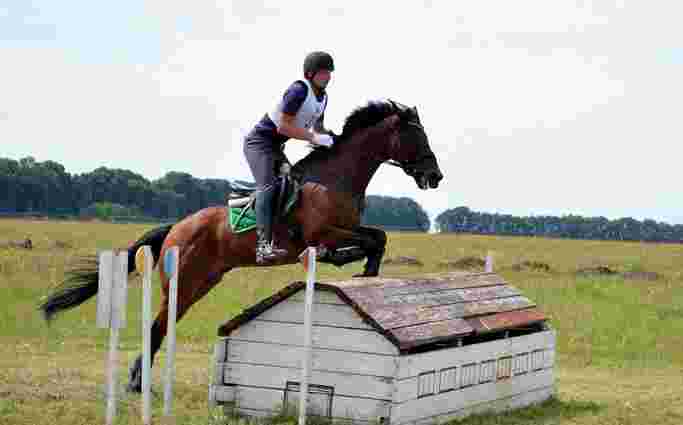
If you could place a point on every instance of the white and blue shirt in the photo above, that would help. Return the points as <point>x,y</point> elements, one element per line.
<point>299,100</point>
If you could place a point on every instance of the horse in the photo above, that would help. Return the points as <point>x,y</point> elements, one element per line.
<point>331,189</point>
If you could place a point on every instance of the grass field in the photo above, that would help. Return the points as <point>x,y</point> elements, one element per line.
<point>619,348</point>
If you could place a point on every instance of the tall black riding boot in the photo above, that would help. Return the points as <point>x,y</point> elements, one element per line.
<point>265,251</point>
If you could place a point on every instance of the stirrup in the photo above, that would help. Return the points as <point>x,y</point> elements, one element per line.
<point>267,253</point>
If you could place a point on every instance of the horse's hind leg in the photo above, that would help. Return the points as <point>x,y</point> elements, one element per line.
<point>135,374</point>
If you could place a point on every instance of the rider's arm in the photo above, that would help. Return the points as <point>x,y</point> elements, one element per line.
<point>288,128</point>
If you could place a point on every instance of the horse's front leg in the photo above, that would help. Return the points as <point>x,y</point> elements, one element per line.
<point>374,250</point>
<point>354,245</point>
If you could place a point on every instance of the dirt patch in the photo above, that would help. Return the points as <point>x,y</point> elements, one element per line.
<point>536,266</point>
<point>602,269</point>
<point>57,244</point>
<point>641,275</point>
<point>607,270</point>
<point>465,263</point>
<point>402,260</point>
<point>25,244</point>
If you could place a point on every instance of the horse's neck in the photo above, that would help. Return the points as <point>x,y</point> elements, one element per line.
<point>352,167</point>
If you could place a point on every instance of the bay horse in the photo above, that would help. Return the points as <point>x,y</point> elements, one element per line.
<point>332,183</point>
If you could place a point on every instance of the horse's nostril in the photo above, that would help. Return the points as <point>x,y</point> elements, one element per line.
<point>434,179</point>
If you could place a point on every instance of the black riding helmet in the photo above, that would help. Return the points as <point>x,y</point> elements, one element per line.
<point>316,61</point>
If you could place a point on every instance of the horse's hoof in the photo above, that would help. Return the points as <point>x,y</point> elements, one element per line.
<point>134,388</point>
<point>366,275</point>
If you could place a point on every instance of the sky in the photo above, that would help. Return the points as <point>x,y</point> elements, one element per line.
<point>531,107</point>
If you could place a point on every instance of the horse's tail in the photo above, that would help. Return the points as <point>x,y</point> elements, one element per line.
<point>82,280</point>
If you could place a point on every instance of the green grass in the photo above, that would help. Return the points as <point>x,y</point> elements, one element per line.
<point>619,347</point>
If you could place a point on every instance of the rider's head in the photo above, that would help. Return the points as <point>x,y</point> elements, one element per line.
<point>318,67</point>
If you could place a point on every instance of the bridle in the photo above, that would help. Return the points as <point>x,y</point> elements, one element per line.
<point>407,166</point>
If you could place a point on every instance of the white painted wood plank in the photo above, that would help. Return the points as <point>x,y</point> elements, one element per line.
<point>323,314</point>
<point>344,384</point>
<point>412,365</point>
<point>323,359</point>
<point>271,399</point>
<point>477,366</point>
<point>443,403</point>
<point>323,337</point>
<point>505,404</point>
<point>319,297</point>
<point>219,360</point>
<point>220,394</point>
<point>466,375</point>
<point>337,421</point>
<point>256,413</point>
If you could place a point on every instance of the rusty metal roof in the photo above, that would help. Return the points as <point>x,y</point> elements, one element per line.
<point>417,312</point>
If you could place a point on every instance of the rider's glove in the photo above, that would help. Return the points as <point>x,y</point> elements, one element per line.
<point>323,140</point>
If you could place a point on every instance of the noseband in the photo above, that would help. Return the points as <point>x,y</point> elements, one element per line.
<point>407,166</point>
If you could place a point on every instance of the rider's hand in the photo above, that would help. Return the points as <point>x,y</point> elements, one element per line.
<point>323,140</point>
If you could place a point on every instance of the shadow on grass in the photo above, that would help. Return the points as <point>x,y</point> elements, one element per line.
<point>548,412</point>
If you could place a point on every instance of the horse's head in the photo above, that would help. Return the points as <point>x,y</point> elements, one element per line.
<point>410,148</point>
<point>381,131</point>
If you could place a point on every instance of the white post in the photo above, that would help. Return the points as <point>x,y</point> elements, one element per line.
<point>111,377</point>
<point>306,370</point>
<point>104,273</point>
<point>144,263</point>
<point>489,263</point>
<point>120,291</point>
<point>111,306</point>
<point>171,269</point>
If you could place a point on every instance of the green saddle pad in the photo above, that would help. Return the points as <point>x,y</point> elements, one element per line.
<point>244,221</point>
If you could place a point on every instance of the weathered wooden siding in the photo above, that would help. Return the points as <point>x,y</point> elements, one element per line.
<point>285,333</point>
<point>450,381</point>
<point>267,401</point>
<point>327,314</point>
<point>321,359</point>
<point>256,361</point>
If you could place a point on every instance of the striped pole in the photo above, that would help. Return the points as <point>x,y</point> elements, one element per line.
<point>309,265</point>
<point>144,263</point>
<point>171,270</point>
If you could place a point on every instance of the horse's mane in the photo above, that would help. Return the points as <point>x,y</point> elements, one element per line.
<point>360,118</point>
<point>366,116</point>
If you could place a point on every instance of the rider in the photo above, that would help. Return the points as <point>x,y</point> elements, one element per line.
<point>301,108</point>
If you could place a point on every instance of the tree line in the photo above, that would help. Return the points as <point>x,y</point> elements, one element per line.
<point>462,219</point>
<point>46,188</point>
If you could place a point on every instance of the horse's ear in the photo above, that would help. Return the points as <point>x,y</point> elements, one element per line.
<point>413,111</point>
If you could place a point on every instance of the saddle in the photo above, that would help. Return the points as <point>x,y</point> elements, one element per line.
<point>240,200</point>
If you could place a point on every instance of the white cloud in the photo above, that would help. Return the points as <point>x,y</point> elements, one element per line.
<point>531,107</point>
